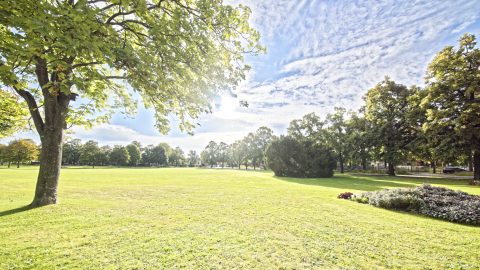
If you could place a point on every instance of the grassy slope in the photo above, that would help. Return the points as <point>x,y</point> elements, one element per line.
<point>222,219</point>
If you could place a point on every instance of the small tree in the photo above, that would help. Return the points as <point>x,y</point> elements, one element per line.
<point>19,151</point>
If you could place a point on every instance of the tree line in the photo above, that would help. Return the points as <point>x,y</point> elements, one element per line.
<point>436,124</point>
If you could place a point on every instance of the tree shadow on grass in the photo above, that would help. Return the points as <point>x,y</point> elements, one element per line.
<point>370,183</point>
<point>16,210</point>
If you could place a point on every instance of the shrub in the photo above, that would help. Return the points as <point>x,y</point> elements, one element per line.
<point>345,195</point>
<point>436,202</point>
<point>287,156</point>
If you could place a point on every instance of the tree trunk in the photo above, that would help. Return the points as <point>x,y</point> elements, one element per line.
<point>9,164</point>
<point>470,163</point>
<point>391,169</point>
<point>18,164</point>
<point>50,164</point>
<point>434,166</point>
<point>476,165</point>
<point>341,163</point>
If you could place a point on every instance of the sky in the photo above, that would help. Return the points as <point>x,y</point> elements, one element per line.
<point>320,54</point>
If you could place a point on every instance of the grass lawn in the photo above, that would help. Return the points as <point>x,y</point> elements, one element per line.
<point>114,218</point>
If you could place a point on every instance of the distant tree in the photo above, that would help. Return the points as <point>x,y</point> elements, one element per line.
<point>168,151</point>
<point>261,138</point>
<point>3,154</point>
<point>13,114</point>
<point>387,110</point>
<point>239,153</point>
<point>134,153</point>
<point>89,153</point>
<point>336,134</point>
<point>20,151</point>
<point>103,156</point>
<point>453,99</point>
<point>71,152</point>
<point>119,156</point>
<point>193,158</point>
<point>222,153</point>
<point>154,155</point>
<point>358,134</point>
<point>209,155</point>
<point>177,157</point>
<point>310,127</point>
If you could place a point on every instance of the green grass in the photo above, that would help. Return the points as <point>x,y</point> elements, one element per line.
<point>221,219</point>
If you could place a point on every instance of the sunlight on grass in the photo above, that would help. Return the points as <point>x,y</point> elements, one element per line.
<point>203,219</point>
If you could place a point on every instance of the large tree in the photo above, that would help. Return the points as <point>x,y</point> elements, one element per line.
<point>453,99</point>
<point>175,54</point>
<point>134,153</point>
<point>387,110</point>
<point>89,153</point>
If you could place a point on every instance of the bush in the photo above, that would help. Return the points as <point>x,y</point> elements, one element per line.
<point>289,157</point>
<point>437,202</point>
<point>345,195</point>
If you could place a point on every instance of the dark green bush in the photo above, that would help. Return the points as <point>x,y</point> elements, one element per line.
<point>289,157</point>
<point>437,202</point>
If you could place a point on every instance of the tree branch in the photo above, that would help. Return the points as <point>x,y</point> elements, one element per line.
<point>33,108</point>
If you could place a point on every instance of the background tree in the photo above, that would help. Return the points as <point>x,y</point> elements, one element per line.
<point>310,127</point>
<point>71,152</point>
<point>176,157</point>
<point>3,154</point>
<point>175,54</point>
<point>119,156</point>
<point>262,137</point>
<point>387,109</point>
<point>134,154</point>
<point>453,99</point>
<point>89,153</point>
<point>358,139</point>
<point>238,153</point>
<point>154,155</point>
<point>336,134</point>
<point>103,156</point>
<point>193,158</point>
<point>13,114</point>
<point>20,151</point>
<point>222,153</point>
<point>209,155</point>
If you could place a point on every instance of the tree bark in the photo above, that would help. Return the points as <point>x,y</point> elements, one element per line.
<point>434,166</point>
<point>476,165</point>
<point>470,162</point>
<point>50,164</point>
<point>391,169</point>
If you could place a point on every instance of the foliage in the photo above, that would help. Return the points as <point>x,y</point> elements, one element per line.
<point>287,156</point>
<point>89,153</point>
<point>436,202</point>
<point>119,155</point>
<point>134,154</point>
<point>71,152</point>
<point>453,96</point>
<point>176,157</point>
<point>13,114</point>
<point>193,158</point>
<point>154,155</point>
<point>387,109</point>
<point>19,151</point>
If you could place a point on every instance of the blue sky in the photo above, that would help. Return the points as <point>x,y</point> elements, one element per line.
<point>320,54</point>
